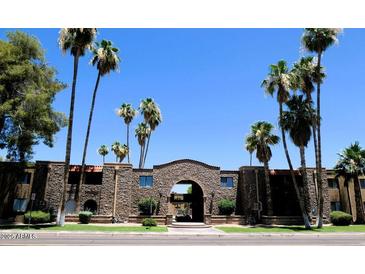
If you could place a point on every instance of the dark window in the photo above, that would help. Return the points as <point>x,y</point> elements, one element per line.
<point>145,181</point>
<point>25,178</point>
<point>91,178</point>
<point>335,206</point>
<point>362,183</point>
<point>20,205</point>
<point>332,183</point>
<point>226,182</point>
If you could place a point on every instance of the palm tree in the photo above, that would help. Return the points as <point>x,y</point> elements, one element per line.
<point>250,150</point>
<point>318,40</point>
<point>142,131</point>
<point>279,81</point>
<point>152,116</point>
<point>115,148</point>
<point>298,121</point>
<point>106,59</point>
<point>77,41</point>
<point>351,164</point>
<point>103,151</point>
<point>121,152</point>
<point>260,139</point>
<point>127,112</point>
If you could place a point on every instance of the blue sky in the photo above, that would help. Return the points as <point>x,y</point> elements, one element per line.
<point>207,84</point>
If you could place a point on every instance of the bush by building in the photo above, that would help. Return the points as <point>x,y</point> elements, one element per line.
<point>226,206</point>
<point>85,217</point>
<point>149,222</point>
<point>340,218</point>
<point>147,206</point>
<point>37,217</point>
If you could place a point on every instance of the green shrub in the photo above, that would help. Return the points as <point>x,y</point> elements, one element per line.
<point>149,222</point>
<point>38,217</point>
<point>340,218</point>
<point>147,206</point>
<point>226,206</point>
<point>85,217</point>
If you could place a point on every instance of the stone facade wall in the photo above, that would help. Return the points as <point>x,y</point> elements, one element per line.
<point>54,187</point>
<point>48,184</point>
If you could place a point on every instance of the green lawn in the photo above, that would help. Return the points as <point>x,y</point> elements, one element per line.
<point>88,227</point>
<point>291,229</point>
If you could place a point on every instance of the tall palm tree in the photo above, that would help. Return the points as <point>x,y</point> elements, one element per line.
<point>279,80</point>
<point>351,164</point>
<point>106,59</point>
<point>142,131</point>
<point>304,78</point>
<point>115,148</point>
<point>103,151</point>
<point>318,40</point>
<point>298,120</point>
<point>77,41</point>
<point>152,116</point>
<point>127,112</point>
<point>260,139</point>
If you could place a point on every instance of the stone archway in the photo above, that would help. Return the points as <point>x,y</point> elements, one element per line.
<point>188,205</point>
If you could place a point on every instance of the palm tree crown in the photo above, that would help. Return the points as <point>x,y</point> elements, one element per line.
<point>77,40</point>
<point>142,132</point>
<point>103,150</point>
<point>319,39</point>
<point>151,112</point>
<point>304,75</point>
<point>351,160</point>
<point>105,57</point>
<point>278,80</point>
<point>127,112</point>
<point>298,120</point>
<point>260,139</point>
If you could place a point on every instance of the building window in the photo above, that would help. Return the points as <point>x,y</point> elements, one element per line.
<point>333,183</point>
<point>145,181</point>
<point>362,183</point>
<point>20,205</point>
<point>25,178</point>
<point>226,182</point>
<point>335,206</point>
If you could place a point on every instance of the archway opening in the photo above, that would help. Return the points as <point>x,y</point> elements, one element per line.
<point>91,205</point>
<point>187,202</point>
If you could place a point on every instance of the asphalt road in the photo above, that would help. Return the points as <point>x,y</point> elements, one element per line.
<point>70,238</point>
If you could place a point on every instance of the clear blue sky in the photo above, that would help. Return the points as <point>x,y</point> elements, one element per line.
<point>207,84</point>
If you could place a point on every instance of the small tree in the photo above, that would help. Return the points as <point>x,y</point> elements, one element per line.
<point>103,151</point>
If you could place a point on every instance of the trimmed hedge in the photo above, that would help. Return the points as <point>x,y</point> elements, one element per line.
<point>85,217</point>
<point>146,205</point>
<point>149,222</point>
<point>226,206</point>
<point>38,217</point>
<point>340,218</point>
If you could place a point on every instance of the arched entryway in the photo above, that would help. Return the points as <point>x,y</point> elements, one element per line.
<point>187,202</point>
<point>91,205</point>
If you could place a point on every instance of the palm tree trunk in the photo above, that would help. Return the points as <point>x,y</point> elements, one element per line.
<point>128,143</point>
<point>140,157</point>
<point>250,159</point>
<point>304,170</point>
<point>268,189</point>
<point>300,200</point>
<point>82,176</point>
<point>360,217</point>
<point>103,159</point>
<point>61,208</point>
<point>319,222</point>
<point>145,154</point>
